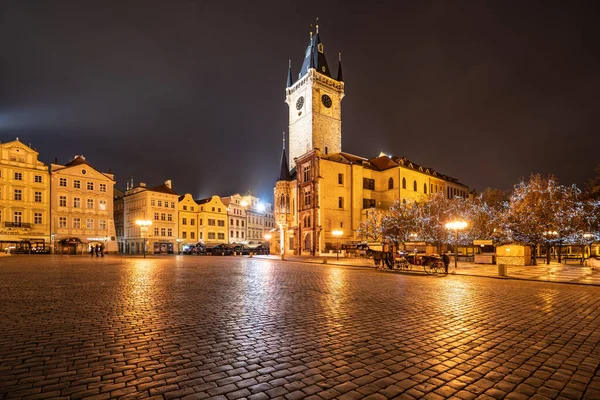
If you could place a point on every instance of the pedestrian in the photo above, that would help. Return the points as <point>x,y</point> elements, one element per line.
<point>92,251</point>
<point>446,259</point>
<point>101,250</point>
<point>97,250</point>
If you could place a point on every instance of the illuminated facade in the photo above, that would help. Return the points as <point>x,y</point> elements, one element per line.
<point>82,207</point>
<point>260,218</point>
<point>323,189</point>
<point>212,220</point>
<point>24,199</point>
<point>188,221</point>
<point>236,213</point>
<point>158,204</point>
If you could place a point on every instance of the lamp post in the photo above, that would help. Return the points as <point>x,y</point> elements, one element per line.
<point>143,224</point>
<point>337,234</point>
<point>268,239</point>
<point>590,239</point>
<point>178,246</point>
<point>456,225</point>
<point>549,235</point>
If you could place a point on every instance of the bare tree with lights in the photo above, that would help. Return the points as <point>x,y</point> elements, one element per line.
<point>540,211</point>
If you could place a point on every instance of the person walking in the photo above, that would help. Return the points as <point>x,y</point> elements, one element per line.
<point>97,250</point>
<point>92,251</point>
<point>101,249</point>
<point>446,260</point>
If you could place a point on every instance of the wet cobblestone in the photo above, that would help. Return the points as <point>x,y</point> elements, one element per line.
<point>226,327</point>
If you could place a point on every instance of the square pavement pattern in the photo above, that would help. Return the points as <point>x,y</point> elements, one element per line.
<point>231,327</point>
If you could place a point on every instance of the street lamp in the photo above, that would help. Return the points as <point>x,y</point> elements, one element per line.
<point>178,246</point>
<point>590,238</point>
<point>551,234</point>
<point>456,225</point>
<point>143,224</point>
<point>337,234</point>
<point>268,239</point>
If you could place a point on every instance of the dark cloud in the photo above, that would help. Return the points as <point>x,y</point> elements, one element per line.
<point>193,91</point>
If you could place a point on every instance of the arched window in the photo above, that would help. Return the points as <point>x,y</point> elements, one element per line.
<point>415,186</point>
<point>287,203</point>
<point>403,183</point>
<point>391,183</point>
<point>425,188</point>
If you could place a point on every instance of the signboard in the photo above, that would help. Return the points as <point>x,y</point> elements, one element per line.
<point>482,243</point>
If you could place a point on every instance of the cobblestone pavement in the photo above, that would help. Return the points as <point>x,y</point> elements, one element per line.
<point>232,327</point>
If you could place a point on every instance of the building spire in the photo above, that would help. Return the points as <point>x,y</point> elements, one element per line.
<point>314,56</point>
<point>289,75</point>
<point>284,173</point>
<point>340,76</point>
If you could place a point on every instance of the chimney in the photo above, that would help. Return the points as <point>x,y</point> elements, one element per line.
<point>168,184</point>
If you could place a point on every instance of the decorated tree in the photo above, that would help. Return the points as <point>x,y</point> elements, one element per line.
<point>540,211</point>
<point>485,218</point>
<point>399,222</point>
<point>369,229</point>
<point>431,217</point>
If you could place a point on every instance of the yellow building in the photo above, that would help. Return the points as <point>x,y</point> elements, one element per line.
<point>82,207</point>
<point>24,199</point>
<point>212,220</point>
<point>188,221</point>
<point>157,204</point>
<point>326,188</point>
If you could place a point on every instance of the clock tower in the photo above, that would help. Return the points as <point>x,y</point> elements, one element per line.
<point>315,104</point>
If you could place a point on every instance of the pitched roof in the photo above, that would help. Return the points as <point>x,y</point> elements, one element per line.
<point>384,162</point>
<point>163,189</point>
<point>77,160</point>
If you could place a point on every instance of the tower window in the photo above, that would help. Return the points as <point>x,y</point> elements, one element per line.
<point>341,179</point>
<point>306,172</point>
<point>425,188</point>
<point>403,183</point>
<point>390,183</point>
<point>415,186</point>
<point>340,202</point>
<point>368,184</point>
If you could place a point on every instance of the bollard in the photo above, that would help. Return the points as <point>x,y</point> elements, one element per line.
<point>250,254</point>
<point>283,256</point>
<point>501,269</point>
<point>324,260</point>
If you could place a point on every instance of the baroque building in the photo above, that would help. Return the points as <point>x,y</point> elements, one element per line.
<point>82,207</point>
<point>157,204</point>
<point>236,213</point>
<point>24,199</point>
<point>322,188</point>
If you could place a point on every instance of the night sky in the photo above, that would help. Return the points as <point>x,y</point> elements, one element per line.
<point>194,91</point>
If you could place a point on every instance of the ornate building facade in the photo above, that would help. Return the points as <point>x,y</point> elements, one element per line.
<point>322,188</point>
<point>24,199</point>
<point>158,204</point>
<point>82,207</point>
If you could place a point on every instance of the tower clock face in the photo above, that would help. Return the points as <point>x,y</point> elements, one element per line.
<point>326,100</point>
<point>300,103</point>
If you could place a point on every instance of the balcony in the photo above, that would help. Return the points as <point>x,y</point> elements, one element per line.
<point>22,225</point>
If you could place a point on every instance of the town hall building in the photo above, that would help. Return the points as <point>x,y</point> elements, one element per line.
<point>323,189</point>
